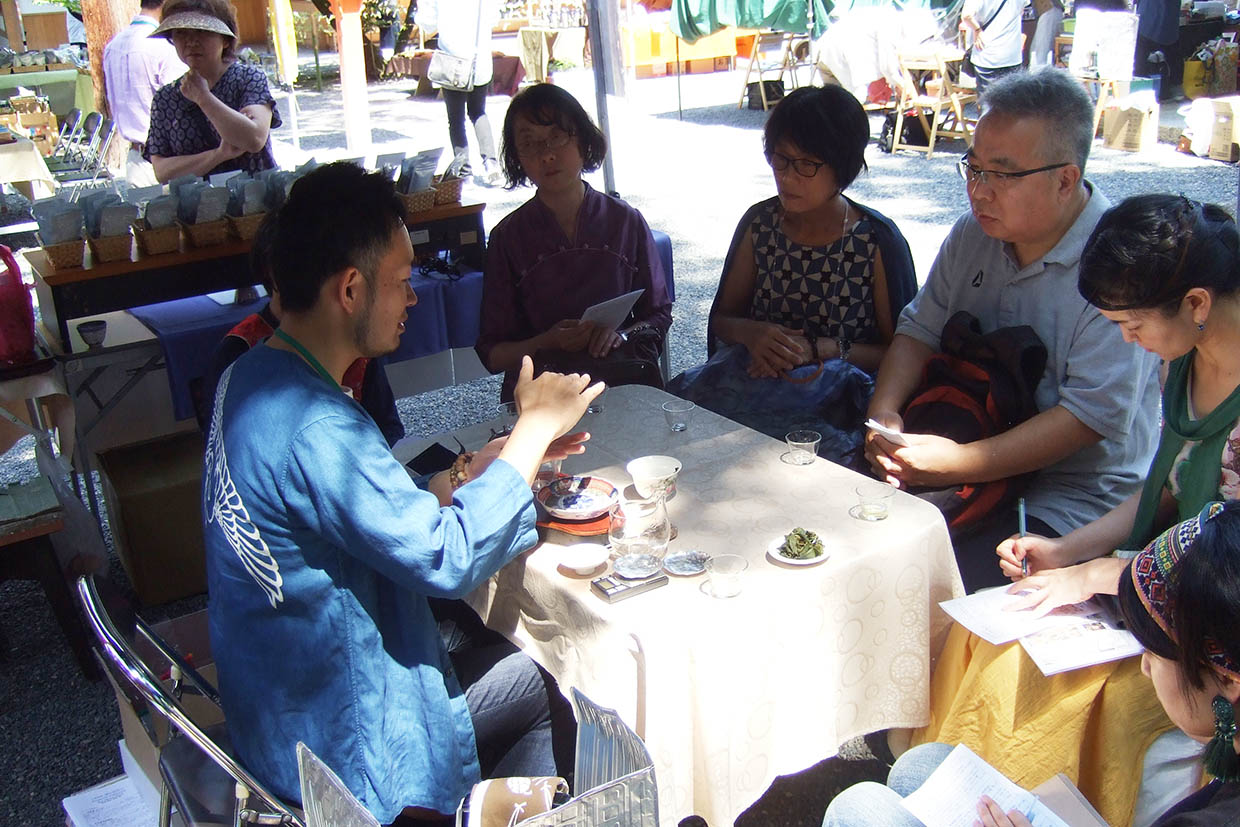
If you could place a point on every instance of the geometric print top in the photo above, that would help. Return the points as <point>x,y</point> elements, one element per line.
<point>179,127</point>
<point>827,291</point>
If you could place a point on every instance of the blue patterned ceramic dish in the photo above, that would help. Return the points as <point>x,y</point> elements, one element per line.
<point>578,498</point>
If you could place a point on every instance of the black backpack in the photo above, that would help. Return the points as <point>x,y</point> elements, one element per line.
<point>977,386</point>
<point>911,131</point>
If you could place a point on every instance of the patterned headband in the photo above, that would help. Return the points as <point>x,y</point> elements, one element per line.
<point>1156,569</point>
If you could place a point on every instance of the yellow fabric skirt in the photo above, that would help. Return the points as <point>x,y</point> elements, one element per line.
<point>1094,725</point>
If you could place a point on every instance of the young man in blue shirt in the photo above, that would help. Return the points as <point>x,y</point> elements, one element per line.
<point>321,552</point>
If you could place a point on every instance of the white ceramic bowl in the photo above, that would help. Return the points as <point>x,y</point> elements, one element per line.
<point>583,558</point>
<point>654,474</point>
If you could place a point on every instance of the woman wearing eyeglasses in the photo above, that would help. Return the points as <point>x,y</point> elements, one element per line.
<point>811,286</point>
<point>563,251</point>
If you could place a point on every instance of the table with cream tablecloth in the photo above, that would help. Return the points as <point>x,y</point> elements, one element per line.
<point>730,693</point>
<point>23,166</point>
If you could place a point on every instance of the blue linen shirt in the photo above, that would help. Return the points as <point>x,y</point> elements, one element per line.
<point>1109,385</point>
<point>321,553</point>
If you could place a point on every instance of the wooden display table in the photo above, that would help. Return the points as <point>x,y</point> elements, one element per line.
<point>193,271</point>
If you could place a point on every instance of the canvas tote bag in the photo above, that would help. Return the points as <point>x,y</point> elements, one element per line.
<point>448,71</point>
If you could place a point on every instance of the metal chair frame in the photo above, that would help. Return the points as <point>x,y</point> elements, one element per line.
<point>80,143</point>
<point>69,128</point>
<point>762,60</point>
<point>128,668</point>
<point>95,165</point>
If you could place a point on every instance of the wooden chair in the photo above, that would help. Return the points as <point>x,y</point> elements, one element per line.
<point>927,89</point>
<point>772,53</point>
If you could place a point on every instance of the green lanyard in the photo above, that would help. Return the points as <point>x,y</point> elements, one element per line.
<point>309,357</point>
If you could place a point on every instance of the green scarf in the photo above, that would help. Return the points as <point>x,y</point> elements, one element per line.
<point>1199,477</point>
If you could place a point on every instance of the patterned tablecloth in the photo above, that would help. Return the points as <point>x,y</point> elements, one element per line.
<point>730,693</point>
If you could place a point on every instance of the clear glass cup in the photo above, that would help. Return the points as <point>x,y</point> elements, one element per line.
<point>639,532</point>
<point>596,405</point>
<point>677,413</point>
<point>506,413</point>
<point>725,572</point>
<point>802,446</point>
<point>548,473</point>
<point>873,501</point>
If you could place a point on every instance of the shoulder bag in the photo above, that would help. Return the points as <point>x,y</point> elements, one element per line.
<point>966,65</point>
<point>448,71</point>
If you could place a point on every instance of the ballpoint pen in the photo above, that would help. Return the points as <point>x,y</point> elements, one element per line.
<point>1020,517</point>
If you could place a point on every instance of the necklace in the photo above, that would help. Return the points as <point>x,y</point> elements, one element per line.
<point>308,356</point>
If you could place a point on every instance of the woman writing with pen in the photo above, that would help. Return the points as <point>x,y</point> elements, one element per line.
<point>1163,268</point>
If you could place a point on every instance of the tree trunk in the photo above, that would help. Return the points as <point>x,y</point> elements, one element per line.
<point>103,19</point>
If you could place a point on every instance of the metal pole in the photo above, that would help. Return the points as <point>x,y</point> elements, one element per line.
<point>680,111</point>
<point>597,49</point>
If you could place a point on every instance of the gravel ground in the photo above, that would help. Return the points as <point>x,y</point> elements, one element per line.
<point>692,177</point>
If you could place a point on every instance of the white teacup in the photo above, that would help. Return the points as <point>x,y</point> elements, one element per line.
<point>654,475</point>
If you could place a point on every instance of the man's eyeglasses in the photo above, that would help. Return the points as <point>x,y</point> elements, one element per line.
<point>802,166</point>
<point>533,149</point>
<point>999,179</point>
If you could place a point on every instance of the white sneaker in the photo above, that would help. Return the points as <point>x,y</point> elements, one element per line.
<point>491,175</point>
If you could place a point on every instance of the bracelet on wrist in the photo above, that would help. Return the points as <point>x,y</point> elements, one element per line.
<point>844,346</point>
<point>458,474</point>
<point>813,346</point>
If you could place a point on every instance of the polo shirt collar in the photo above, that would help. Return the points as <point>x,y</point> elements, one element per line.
<point>1068,251</point>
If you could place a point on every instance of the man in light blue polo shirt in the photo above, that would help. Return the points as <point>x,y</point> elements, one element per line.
<point>1013,260</point>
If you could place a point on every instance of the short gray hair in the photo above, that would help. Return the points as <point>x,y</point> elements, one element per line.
<point>1054,97</point>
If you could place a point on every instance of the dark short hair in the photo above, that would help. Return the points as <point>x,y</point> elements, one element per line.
<point>336,216</point>
<point>1205,601</point>
<point>219,9</point>
<point>826,122</point>
<point>151,5</point>
<point>1148,251</point>
<point>548,105</point>
<point>1053,97</point>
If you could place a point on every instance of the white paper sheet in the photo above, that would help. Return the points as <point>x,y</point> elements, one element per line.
<point>949,796</point>
<point>983,613</point>
<point>114,803</point>
<point>612,313</point>
<point>1094,641</point>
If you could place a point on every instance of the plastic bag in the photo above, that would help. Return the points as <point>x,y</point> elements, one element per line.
<point>16,313</point>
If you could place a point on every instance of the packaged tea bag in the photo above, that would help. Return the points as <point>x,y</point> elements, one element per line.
<point>92,205</point>
<point>140,195</point>
<point>114,219</point>
<point>212,202</point>
<point>251,198</point>
<point>425,163</point>
<point>390,163</point>
<point>187,200</point>
<point>59,220</point>
<point>221,179</point>
<point>160,212</point>
<point>176,184</point>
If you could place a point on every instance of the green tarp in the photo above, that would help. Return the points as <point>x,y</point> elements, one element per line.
<point>695,19</point>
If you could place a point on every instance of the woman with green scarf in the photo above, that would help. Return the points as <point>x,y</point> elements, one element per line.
<point>1164,269</point>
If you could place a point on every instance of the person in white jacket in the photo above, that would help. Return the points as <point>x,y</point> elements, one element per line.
<point>464,28</point>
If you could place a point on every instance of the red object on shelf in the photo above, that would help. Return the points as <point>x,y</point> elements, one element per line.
<point>16,314</point>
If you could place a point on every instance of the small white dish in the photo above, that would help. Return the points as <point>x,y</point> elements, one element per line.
<point>583,558</point>
<point>772,551</point>
<point>686,563</point>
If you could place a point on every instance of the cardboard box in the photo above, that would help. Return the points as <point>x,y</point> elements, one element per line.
<point>145,731</point>
<point>1131,123</point>
<point>153,492</point>
<point>1222,130</point>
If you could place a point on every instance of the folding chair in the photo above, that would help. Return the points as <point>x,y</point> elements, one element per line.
<point>771,52</point>
<point>927,90</point>
<point>197,771</point>
<point>95,164</point>
<point>79,143</point>
<point>68,133</point>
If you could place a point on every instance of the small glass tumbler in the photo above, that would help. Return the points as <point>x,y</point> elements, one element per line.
<point>802,446</point>
<point>873,501</point>
<point>506,412</point>
<point>596,405</point>
<point>677,413</point>
<point>548,473</point>
<point>725,572</point>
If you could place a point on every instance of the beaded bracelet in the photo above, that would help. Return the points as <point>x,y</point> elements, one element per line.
<point>458,474</point>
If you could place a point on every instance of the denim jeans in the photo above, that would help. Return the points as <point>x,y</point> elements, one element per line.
<point>522,724</point>
<point>876,805</point>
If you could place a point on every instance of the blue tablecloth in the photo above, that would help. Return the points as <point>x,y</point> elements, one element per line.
<point>188,330</point>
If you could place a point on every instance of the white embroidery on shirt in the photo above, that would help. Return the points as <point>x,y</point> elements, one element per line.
<point>229,512</point>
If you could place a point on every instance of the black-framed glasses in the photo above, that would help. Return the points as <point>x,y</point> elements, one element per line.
<point>801,166</point>
<point>998,179</point>
<point>556,140</point>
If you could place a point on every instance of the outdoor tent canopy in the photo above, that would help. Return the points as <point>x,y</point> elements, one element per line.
<point>695,19</point>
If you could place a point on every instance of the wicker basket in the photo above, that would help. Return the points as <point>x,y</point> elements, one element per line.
<point>245,227</point>
<point>157,242</point>
<point>416,202</point>
<point>206,234</point>
<point>67,254</point>
<point>448,190</point>
<point>112,247</point>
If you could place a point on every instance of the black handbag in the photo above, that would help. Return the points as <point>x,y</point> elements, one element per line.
<point>966,65</point>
